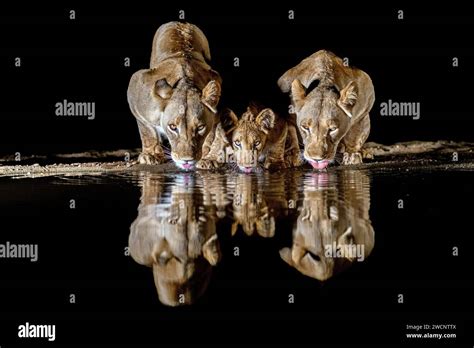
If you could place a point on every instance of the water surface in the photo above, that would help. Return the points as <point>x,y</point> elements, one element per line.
<point>320,244</point>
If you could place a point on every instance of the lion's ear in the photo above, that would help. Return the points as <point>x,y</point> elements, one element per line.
<point>285,255</point>
<point>233,229</point>
<point>348,98</point>
<point>211,250</point>
<point>228,120</point>
<point>266,120</point>
<point>211,95</point>
<point>298,94</point>
<point>346,236</point>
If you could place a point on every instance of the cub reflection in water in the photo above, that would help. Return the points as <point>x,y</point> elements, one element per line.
<point>259,200</point>
<point>175,233</point>
<point>333,228</point>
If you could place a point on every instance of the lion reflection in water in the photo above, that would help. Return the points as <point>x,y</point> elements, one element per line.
<point>258,201</point>
<point>175,234</point>
<point>333,228</point>
<point>175,231</point>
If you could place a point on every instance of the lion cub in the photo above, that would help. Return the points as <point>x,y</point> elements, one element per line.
<point>260,136</point>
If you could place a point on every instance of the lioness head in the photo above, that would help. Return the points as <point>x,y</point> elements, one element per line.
<point>250,135</point>
<point>187,118</point>
<point>323,117</point>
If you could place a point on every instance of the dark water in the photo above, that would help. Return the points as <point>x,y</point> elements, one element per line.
<point>313,253</point>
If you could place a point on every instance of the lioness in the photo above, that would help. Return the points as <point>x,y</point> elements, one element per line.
<point>336,113</point>
<point>262,136</point>
<point>333,228</point>
<point>175,233</point>
<point>177,97</point>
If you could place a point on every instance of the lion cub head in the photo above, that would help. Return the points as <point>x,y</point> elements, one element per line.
<point>249,136</point>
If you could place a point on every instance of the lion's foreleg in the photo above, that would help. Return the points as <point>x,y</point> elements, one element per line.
<point>292,151</point>
<point>275,157</point>
<point>355,139</point>
<point>152,151</point>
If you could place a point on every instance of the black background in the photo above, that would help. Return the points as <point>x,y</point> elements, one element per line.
<point>409,60</point>
<point>82,60</point>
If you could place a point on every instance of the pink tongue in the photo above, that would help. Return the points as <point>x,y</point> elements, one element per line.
<point>187,166</point>
<point>247,170</point>
<point>319,164</point>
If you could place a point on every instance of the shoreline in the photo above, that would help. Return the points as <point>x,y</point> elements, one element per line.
<point>400,156</point>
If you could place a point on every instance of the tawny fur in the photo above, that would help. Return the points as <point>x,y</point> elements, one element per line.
<point>179,239</point>
<point>261,136</point>
<point>325,219</point>
<point>334,116</point>
<point>177,97</point>
<point>259,201</point>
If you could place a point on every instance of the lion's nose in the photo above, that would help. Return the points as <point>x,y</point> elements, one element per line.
<point>315,156</point>
<point>317,153</point>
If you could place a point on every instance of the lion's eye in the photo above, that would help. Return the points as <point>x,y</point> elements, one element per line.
<point>333,130</point>
<point>237,143</point>
<point>172,127</point>
<point>201,127</point>
<point>305,127</point>
<point>256,144</point>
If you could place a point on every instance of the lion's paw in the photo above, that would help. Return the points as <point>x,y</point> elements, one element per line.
<point>207,164</point>
<point>270,165</point>
<point>367,154</point>
<point>352,158</point>
<point>147,158</point>
<point>294,160</point>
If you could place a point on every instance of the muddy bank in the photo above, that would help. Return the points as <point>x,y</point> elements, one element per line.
<point>400,156</point>
<point>434,155</point>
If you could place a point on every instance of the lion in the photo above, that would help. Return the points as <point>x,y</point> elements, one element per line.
<point>175,233</point>
<point>259,201</point>
<point>333,228</point>
<point>334,116</point>
<point>177,97</point>
<point>217,149</point>
<point>260,136</point>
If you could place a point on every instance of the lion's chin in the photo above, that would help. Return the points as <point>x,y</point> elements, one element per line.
<point>320,164</point>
